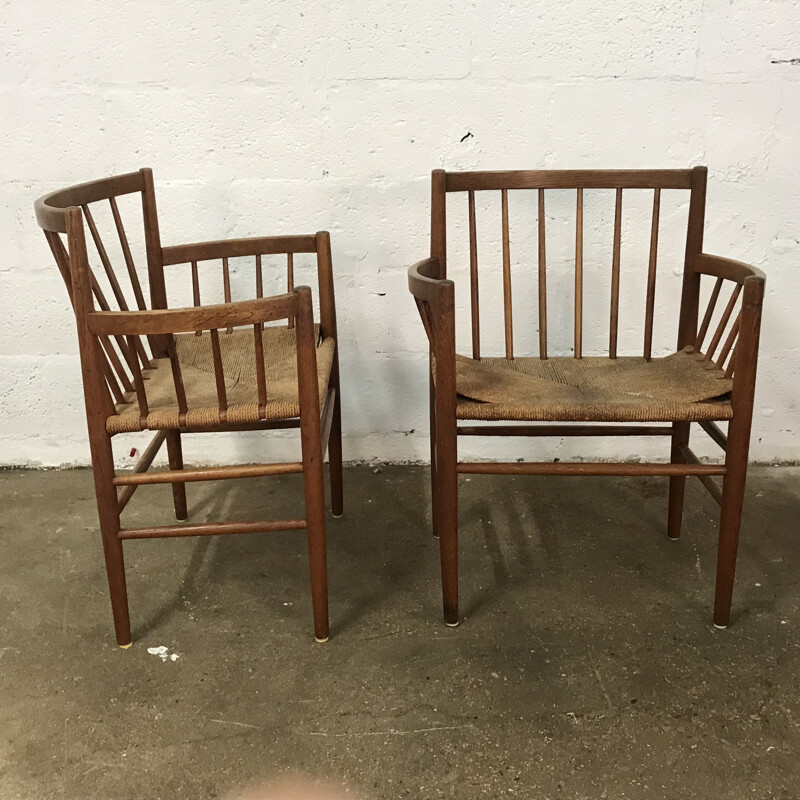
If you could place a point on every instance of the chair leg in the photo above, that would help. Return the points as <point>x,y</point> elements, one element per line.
<point>677,483</point>
<point>108,512</point>
<point>434,496</point>
<point>446,514</point>
<point>314,490</point>
<point>175,455</point>
<point>733,487</point>
<point>335,455</point>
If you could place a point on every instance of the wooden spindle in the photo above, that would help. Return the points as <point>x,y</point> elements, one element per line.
<point>730,341</point>
<point>126,252</point>
<point>116,364</point>
<point>138,382</point>
<point>104,260</point>
<point>542,280</point>
<point>219,375</point>
<point>651,278</point>
<point>259,277</point>
<point>226,283</point>
<point>196,291</point>
<point>509,332</point>
<point>109,371</point>
<point>723,322</point>
<point>473,279</point>
<point>614,323</point>
<point>425,316</point>
<point>177,378</point>
<point>261,377</point>
<point>290,282</point>
<point>712,304</point>
<point>579,276</point>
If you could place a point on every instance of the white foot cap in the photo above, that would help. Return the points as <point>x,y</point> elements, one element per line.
<point>452,624</point>
<point>321,641</point>
<point>674,538</point>
<point>720,627</point>
<point>125,646</point>
<point>337,516</point>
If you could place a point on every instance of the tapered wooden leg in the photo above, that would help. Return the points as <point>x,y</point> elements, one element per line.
<point>677,483</point>
<point>733,487</point>
<point>108,511</point>
<point>446,513</point>
<point>314,488</point>
<point>175,455</point>
<point>335,453</point>
<point>434,499</point>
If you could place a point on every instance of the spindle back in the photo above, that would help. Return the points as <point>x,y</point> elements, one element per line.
<point>78,211</point>
<point>501,184</point>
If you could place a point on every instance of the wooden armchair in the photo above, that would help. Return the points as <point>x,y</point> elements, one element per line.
<point>195,369</point>
<point>709,378</point>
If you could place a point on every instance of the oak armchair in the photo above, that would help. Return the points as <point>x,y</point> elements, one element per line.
<point>709,378</point>
<point>223,367</point>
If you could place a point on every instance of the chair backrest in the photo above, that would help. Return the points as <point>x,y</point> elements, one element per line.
<point>691,182</point>
<point>77,209</point>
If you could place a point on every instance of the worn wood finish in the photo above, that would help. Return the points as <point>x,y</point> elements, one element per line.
<point>236,248</point>
<point>213,529</point>
<point>571,179</point>
<point>710,484</point>
<point>723,322</point>
<point>578,346</point>
<point>508,320</point>
<point>311,442</point>
<point>133,275</point>
<point>114,361</point>
<point>185,320</point>
<point>615,268</point>
<point>473,280</point>
<point>434,294</point>
<point>622,469</point>
<point>738,446</point>
<point>650,303</point>
<point>709,313</point>
<point>142,465</point>
<point>181,475</point>
<point>713,430</point>
<point>542,279</point>
<point>564,430</point>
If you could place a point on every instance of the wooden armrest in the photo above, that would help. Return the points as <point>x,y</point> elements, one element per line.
<point>423,280</point>
<point>232,248</point>
<point>197,318</point>
<point>727,268</point>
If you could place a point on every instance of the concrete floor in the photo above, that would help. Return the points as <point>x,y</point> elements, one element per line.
<point>586,665</point>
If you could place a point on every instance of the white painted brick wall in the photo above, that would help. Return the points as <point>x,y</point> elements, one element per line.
<point>281,117</point>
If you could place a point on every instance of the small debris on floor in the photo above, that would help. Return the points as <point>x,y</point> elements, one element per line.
<point>163,653</point>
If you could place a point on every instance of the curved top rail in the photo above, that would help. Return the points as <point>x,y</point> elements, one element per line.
<point>50,208</point>
<point>571,179</point>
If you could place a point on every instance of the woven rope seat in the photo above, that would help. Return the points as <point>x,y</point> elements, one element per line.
<point>683,386</point>
<point>197,366</point>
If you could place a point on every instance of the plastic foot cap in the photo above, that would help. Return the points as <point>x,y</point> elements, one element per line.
<point>720,627</point>
<point>673,538</point>
<point>337,516</point>
<point>125,646</point>
<point>452,624</point>
<point>321,641</point>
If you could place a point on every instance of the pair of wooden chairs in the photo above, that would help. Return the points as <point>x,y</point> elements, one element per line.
<point>264,364</point>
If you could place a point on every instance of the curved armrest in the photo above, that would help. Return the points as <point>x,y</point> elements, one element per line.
<point>186,320</point>
<point>233,248</point>
<point>727,268</point>
<point>423,280</point>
